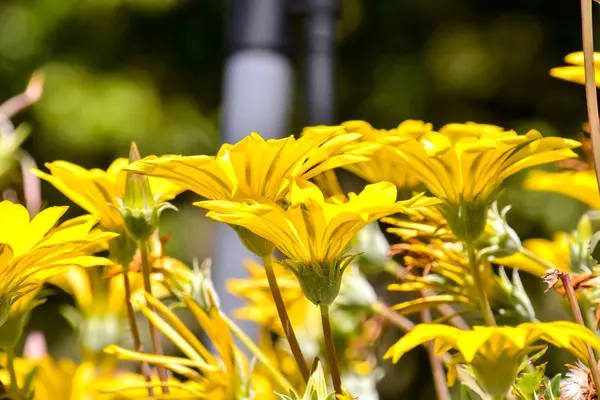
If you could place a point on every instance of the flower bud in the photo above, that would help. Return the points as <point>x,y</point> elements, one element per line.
<point>195,282</point>
<point>139,209</point>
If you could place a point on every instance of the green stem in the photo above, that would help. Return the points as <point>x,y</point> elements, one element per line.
<point>285,319</point>
<point>135,333</point>
<point>260,356</point>
<point>331,357</point>
<point>590,81</point>
<point>156,344</point>
<point>535,258</point>
<point>484,303</point>
<point>10,364</point>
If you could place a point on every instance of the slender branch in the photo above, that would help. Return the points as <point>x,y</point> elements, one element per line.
<point>590,81</point>
<point>331,357</point>
<point>439,374</point>
<point>156,344</point>
<point>484,303</point>
<point>260,356</point>
<point>32,185</point>
<point>288,330</point>
<point>135,333</point>
<point>570,292</point>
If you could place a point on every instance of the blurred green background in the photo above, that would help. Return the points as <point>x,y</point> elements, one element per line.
<point>151,71</point>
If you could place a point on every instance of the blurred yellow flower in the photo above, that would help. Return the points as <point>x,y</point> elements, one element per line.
<point>260,307</point>
<point>429,224</point>
<point>464,165</point>
<point>495,353</point>
<point>575,72</point>
<point>580,185</point>
<point>210,377</point>
<point>314,234</point>
<point>382,165</point>
<point>97,191</point>
<point>31,251</point>
<point>254,166</point>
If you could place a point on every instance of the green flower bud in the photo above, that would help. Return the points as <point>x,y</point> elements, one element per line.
<point>12,329</point>
<point>320,282</point>
<point>467,220</point>
<point>256,244</point>
<point>122,249</point>
<point>194,282</point>
<point>139,209</point>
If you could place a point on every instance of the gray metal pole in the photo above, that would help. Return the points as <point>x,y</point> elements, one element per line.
<point>256,98</point>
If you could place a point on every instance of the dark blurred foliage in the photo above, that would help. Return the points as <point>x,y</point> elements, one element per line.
<point>150,71</point>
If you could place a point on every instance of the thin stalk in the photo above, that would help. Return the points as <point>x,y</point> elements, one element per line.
<point>156,344</point>
<point>135,333</point>
<point>10,364</point>
<point>535,258</point>
<point>439,374</point>
<point>285,319</point>
<point>260,356</point>
<point>570,292</point>
<point>591,96</point>
<point>484,303</point>
<point>331,357</point>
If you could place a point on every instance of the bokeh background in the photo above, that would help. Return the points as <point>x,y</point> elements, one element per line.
<point>151,71</point>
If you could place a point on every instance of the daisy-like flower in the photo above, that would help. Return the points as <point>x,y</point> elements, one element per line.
<point>464,165</point>
<point>31,251</point>
<point>99,314</point>
<point>578,383</point>
<point>580,185</point>
<point>98,191</point>
<point>313,233</point>
<point>382,165</point>
<point>576,71</point>
<point>255,167</point>
<point>225,375</point>
<point>495,353</point>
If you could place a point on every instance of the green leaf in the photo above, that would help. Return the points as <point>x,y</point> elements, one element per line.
<point>530,383</point>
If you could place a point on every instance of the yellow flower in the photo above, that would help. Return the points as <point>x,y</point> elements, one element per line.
<point>448,276</point>
<point>464,165</point>
<point>31,251</point>
<point>580,185</point>
<point>260,307</point>
<point>98,191</point>
<point>214,377</point>
<point>314,234</point>
<point>99,315</point>
<point>430,224</point>
<point>575,72</point>
<point>254,166</point>
<point>495,353</point>
<point>382,165</point>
